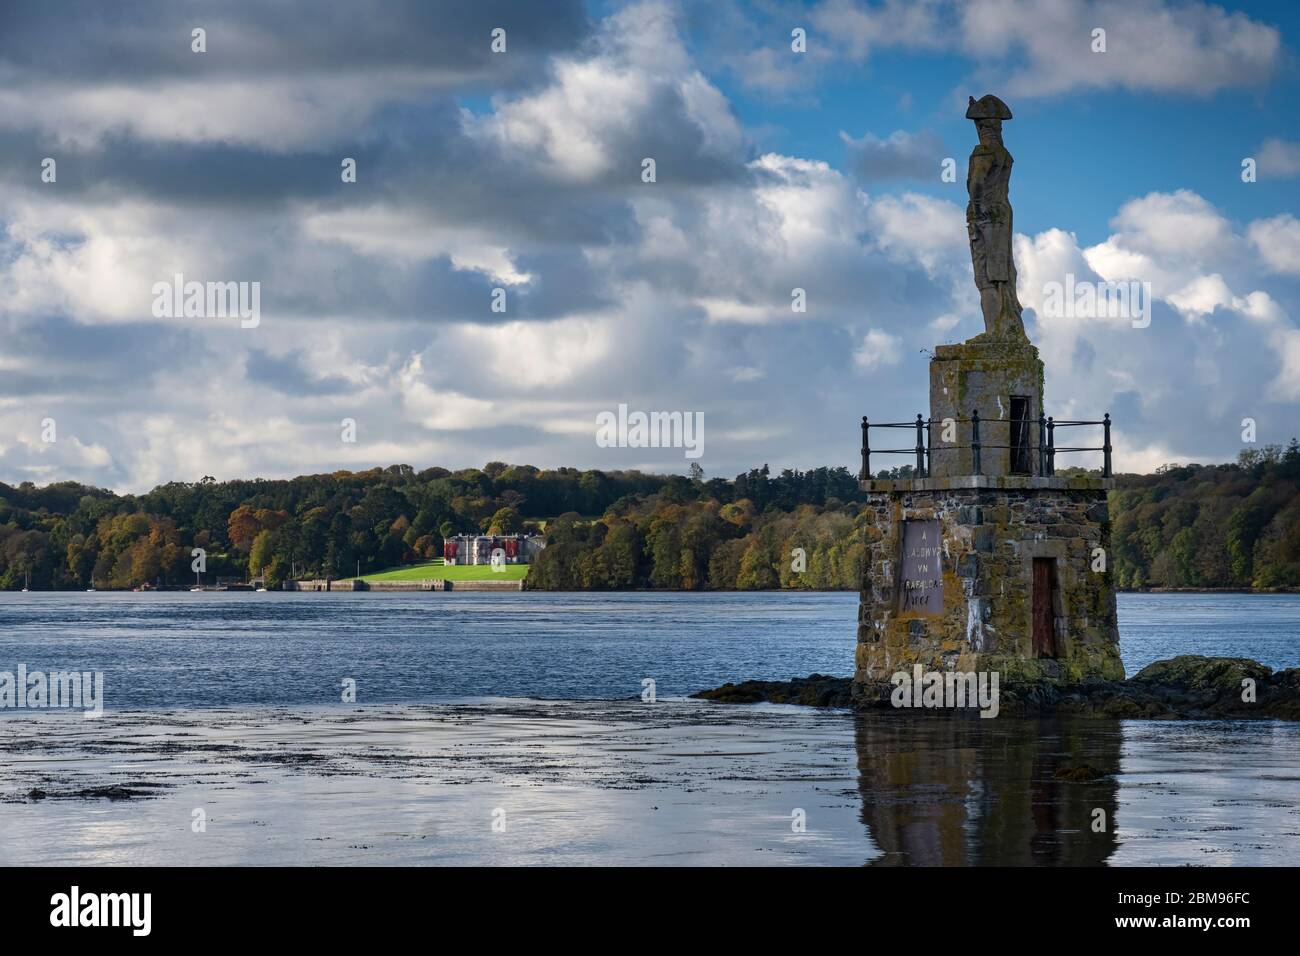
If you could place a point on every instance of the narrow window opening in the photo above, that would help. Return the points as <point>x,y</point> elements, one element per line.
<point>1020,457</point>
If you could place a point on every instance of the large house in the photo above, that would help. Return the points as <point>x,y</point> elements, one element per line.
<point>480,548</point>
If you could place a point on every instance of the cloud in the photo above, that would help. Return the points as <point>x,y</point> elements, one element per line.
<point>1279,158</point>
<point>381,231</point>
<point>1277,241</point>
<point>1214,353</point>
<point>636,98</point>
<point>35,459</point>
<point>289,374</point>
<point>878,348</point>
<point>1179,225</point>
<point>523,172</point>
<point>275,115</point>
<point>531,355</point>
<point>857,29</point>
<point>918,228</point>
<point>1026,48</point>
<point>277,76</point>
<point>901,155</point>
<point>1202,296</point>
<point>738,254</point>
<point>1286,386</point>
<point>1151,45</point>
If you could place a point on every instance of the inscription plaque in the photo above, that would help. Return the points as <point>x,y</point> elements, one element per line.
<point>921,590</point>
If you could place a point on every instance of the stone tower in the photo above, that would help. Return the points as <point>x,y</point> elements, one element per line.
<point>983,559</point>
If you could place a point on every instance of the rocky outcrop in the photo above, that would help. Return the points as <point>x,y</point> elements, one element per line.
<point>1206,687</point>
<point>816,690</point>
<point>1183,688</point>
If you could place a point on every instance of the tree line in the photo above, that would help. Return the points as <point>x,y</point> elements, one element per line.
<point>69,535</point>
<point>1211,526</point>
<point>1230,525</point>
<point>1186,526</point>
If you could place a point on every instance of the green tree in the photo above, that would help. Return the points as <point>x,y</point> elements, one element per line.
<point>506,521</point>
<point>261,552</point>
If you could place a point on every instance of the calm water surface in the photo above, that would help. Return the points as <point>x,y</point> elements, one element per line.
<point>229,704</point>
<point>218,649</point>
<point>622,782</point>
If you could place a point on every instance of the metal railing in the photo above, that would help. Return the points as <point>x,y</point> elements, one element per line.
<point>1046,447</point>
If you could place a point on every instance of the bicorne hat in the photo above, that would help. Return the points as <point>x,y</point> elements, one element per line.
<point>987,107</point>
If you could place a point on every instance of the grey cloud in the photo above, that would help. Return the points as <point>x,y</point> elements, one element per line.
<point>339,283</point>
<point>901,155</point>
<point>1280,158</point>
<point>59,358</point>
<point>287,374</point>
<point>147,41</point>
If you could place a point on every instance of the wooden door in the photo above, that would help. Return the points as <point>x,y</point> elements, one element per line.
<point>1044,609</point>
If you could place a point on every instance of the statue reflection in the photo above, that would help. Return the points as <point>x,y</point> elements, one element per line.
<point>957,791</point>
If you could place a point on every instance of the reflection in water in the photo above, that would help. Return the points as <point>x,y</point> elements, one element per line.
<point>626,783</point>
<point>964,791</point>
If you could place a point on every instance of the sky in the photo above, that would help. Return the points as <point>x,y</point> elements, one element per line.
<point>517,177</point>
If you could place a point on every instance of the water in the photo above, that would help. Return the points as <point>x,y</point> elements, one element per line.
<point>1265,627</point>
<point>622,782</point>
<point>229,704</point>
<point>215,649</point>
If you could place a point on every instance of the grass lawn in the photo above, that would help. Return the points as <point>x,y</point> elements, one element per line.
<point>435,570</point>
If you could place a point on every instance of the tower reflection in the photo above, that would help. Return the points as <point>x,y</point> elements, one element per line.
<point>939,790</point>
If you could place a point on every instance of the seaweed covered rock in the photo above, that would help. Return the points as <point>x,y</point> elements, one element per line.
<point>1206,677</point>
<point>1182,688</point>
<point>1220,687</point>
<point>816,690</point>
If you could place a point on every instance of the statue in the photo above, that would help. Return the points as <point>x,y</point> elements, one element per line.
<point>988,220</point>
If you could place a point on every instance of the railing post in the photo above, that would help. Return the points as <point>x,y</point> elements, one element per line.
<point>975,440</point>
<point>929,462</point>
<point>920,448</point>
<point>1105,446</point>
<point>1042,445</point>
<point>865,475</point>
<point>1051,446</point>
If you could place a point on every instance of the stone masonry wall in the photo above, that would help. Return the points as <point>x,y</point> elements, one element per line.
<point>981,376</point>
<point>990,537</point>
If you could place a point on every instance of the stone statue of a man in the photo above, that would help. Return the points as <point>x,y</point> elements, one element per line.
<point>988,220</point>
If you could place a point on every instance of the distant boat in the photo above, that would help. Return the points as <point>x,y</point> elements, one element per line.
<point>261,590</point>
<point>89,590</point>
<point>27,579</point>
<point>192,590</point>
